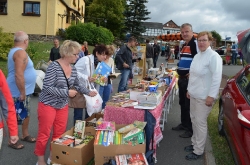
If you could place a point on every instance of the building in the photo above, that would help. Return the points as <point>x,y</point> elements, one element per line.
<point>40,17</point>
<point>153,29</point>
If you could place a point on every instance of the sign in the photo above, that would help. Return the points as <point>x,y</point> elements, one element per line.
<point>228,38</point>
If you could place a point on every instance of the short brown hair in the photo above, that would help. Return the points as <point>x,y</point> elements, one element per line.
<point>209,35</point>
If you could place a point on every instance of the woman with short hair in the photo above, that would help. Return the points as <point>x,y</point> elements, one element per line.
<point>203,88</point>
<point>60,78</point>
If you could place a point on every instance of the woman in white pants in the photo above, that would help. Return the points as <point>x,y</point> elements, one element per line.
<point>203,88</point>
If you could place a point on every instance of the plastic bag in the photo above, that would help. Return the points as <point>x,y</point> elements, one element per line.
<point>21,112</point>
<point>93,104</point>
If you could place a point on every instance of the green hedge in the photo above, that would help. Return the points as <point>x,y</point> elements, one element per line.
<point>89,32</point>
<point>6,43</point>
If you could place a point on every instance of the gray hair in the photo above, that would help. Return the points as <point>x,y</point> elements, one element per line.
<point>68,47</point>
<point>20,36</point>
<point>187,24</point>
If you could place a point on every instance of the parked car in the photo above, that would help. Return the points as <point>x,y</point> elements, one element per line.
<point>234,115</point>
<point>221,50</point>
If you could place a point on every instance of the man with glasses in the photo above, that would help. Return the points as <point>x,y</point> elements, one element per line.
<point>188,51</point>
<point>21,80</point>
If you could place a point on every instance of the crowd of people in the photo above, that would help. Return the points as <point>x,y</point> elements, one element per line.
<point>63,80</point>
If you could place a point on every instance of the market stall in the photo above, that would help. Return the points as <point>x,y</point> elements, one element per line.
<point>127,115</point>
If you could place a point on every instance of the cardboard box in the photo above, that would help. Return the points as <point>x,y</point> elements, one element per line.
<point>104,153</point>
<point>95,115</point>
<point>79,155</point>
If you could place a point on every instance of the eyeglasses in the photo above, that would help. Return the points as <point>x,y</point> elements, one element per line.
<point>202,40</point>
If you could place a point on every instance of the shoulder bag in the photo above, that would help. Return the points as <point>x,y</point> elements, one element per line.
<point>79,100</point>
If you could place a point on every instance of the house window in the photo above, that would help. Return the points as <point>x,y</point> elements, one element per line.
<point>31,8</point>
<point>3,7</point>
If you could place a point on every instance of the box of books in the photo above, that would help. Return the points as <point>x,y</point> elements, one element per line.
<point>75,146</point>
<point>91,121</point>
<point>110,143</point>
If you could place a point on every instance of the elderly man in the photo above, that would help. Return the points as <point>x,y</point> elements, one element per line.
<point>21,79</point>
<point>188,51</point>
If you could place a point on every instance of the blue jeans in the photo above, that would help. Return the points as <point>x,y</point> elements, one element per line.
<point>105,92</point>
<point>234,58</point>
<point>78,114</point>
<point>124,80</point>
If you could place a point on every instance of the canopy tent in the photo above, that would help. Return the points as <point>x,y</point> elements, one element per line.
<point>172,37</point>
<point>244,43</point>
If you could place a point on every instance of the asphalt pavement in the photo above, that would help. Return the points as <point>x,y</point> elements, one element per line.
<point>170,150</point>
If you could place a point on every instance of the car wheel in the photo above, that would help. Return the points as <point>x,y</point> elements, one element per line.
<point>221,121</point>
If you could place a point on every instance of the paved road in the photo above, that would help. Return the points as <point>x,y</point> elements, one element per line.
<point>170,151</point>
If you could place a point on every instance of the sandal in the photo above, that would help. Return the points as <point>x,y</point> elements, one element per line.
<point>16,146</point>
<point>29,139</point>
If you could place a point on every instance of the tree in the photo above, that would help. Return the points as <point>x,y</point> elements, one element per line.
<point>216,36</point>
<point>87,4</point>
<point>135,13</point>
<point>108,13</point>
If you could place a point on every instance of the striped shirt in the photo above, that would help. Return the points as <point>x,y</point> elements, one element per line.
<point>187,54</point>
<point>55,90</point>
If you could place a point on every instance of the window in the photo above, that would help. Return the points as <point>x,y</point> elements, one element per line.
<point>31,8</point>
<point>3,7</point>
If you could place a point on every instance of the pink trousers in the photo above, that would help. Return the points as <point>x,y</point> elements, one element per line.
<point>49,120</point>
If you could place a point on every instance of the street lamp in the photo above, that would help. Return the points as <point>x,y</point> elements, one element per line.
<point>105,22</point>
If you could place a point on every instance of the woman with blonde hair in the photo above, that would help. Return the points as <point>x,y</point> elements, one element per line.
<point>60,78</point>
<point>228,54</point>
<point>105,90</point>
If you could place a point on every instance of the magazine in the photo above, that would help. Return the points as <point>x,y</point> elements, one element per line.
<point>101,73</point>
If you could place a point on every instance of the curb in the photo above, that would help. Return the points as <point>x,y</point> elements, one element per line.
<point>208,154</point>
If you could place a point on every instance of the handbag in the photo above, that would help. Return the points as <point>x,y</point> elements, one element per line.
<point>21,111</point>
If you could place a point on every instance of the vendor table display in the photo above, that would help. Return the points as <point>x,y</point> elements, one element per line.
<point>127,115</point>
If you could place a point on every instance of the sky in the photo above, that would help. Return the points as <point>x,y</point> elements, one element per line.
<point>226,17</point>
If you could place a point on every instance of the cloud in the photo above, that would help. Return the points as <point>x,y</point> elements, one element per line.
<point>227,17</point>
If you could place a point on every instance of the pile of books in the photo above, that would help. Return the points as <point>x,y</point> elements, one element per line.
<point>131,134</point>
<point>131,159</point>
<point>78,136</point>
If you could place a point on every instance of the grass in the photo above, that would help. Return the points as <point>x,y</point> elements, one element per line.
<point>221,150</point>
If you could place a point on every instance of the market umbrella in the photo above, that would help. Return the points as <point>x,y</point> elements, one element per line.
<point>244,43</point>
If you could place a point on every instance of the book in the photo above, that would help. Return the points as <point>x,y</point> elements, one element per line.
<point>131,159</point>
<point>101,137</point>
<point>79,129</point>
<point>105,138</point>
<point>114,75</point>
<point>134,132</point>
<point>97,136</point>
<point>101,73</point>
